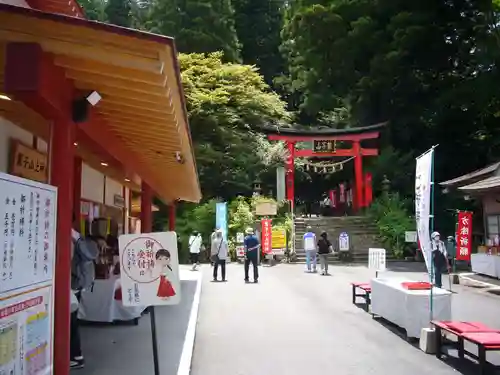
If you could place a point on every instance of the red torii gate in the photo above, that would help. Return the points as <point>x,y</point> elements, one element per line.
<point>355,135</point>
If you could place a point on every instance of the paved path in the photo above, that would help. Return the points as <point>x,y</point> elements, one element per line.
<point>297,323</point>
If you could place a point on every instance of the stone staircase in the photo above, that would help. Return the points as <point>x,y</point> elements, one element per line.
<point>362,235</point>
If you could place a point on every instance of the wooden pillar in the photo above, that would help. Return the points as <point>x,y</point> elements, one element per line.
<point>358,175</point>
<point>290,174</point>
<point>368,190</point>
<point>171,217</point>
<point>77,187</point>
<point>146,209</point>
<point>62,176</point>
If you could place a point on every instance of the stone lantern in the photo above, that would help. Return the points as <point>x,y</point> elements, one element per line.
<point>386,185</point>
<point>257,188</point>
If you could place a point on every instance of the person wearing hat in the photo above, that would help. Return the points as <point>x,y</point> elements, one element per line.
<point>439,258</point>
<point>310,249</point>
<point>252,246</point>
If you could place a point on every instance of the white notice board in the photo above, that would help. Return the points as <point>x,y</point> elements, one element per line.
<point>149,266</point>
<point>376,259</point>
<point>27,244</point>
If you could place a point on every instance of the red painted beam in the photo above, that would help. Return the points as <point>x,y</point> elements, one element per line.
<point>341,152</point>
<point>306,138</point>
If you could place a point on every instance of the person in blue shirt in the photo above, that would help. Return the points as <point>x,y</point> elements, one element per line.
<point>252,246</point>
<point>310,247</point>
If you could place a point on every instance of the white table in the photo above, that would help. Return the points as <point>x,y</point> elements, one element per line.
<point>99,305</point>
<point>486,264</point>
<point>409,309</point>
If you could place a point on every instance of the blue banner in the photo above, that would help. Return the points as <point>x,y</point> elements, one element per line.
<point>221,218</point>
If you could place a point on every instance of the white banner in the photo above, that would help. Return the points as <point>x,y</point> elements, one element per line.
<point>423,187</point>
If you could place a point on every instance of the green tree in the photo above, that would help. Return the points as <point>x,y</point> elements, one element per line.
<point>425,66</point>
<point>227,103</point>
<point>94,9</point>
<point>200,26</point>
<point>119,12</point>
<point>258,25</point>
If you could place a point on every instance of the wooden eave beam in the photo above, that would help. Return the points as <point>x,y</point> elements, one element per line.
<point>161,111</point>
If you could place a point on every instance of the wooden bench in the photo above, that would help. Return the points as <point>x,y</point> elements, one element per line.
<point>484,337</point>
<point>366,290</point>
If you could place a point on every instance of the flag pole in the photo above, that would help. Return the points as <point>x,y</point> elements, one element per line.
<point>432,230</point>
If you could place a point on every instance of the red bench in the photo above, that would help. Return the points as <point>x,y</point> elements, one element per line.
<point>366,290</point>
<point>486,339</point>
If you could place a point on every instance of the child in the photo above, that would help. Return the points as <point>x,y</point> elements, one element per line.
<point>165,289</point>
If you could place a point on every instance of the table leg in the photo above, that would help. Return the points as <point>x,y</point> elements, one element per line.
<point>438,341</point>
<point>482,359</point>
<point>367,301</point>
<point>354,294</point>
<point>461,348</point>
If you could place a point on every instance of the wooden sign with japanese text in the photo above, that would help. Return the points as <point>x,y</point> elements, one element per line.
<point>464,235</point>
<point>149,266</point>
<point>324,146</point>
<point>27,162</point>
<point>27,243</point>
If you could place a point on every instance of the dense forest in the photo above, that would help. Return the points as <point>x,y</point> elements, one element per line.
<point>426,67</point>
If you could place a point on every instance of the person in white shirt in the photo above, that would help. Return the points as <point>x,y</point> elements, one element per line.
<point>219,253</point>
<point>195,243</point>
<point>310,247</point>
<point>439,258</point>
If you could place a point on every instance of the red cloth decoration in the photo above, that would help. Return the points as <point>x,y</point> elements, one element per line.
<point>165,289</point>
<point>417,285</point>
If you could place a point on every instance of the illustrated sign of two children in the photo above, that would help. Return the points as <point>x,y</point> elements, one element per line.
<point>145,261</point>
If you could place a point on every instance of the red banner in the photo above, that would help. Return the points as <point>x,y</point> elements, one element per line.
<point>464,235</point>
<point>342,193</point>
<point>333,198</point>
<point>266,239</point>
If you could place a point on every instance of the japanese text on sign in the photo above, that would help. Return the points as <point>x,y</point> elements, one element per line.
<point>150,269</point>
<point>28,162</point>
<point>464,235</point>
<point>266,236</point>
<point>324,146</point>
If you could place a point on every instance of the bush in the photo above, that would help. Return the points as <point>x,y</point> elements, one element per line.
<point>392,218</point>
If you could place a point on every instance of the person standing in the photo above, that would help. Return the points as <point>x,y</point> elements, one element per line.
<point>439,258</point>
<point>219,253</point>
<point>324,248</point>
<point>310,249</point>
<point>195,242</point>
<point>252,245</point>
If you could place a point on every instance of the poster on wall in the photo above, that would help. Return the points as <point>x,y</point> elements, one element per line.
<point>423,204</point>
<point>149,267</point>
<point>27,240</point>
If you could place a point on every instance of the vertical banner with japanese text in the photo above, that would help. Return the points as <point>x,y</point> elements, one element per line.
<point>423,182</point>
<point>28,240</point>
<point>464,235</point>
<point>221,218</point>
<point>342,197</point>
<point>266,234</point>
<point>149,269</point>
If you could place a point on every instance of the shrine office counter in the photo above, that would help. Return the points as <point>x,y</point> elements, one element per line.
<point>486,264</point>
<point>99,303</point>
<point>408,309</point>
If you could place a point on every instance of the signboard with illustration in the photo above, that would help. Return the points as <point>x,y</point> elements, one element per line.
<point>27,240</point>
<point>149,266</point>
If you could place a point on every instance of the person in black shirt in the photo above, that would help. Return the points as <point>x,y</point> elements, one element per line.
<point>324,248</point>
